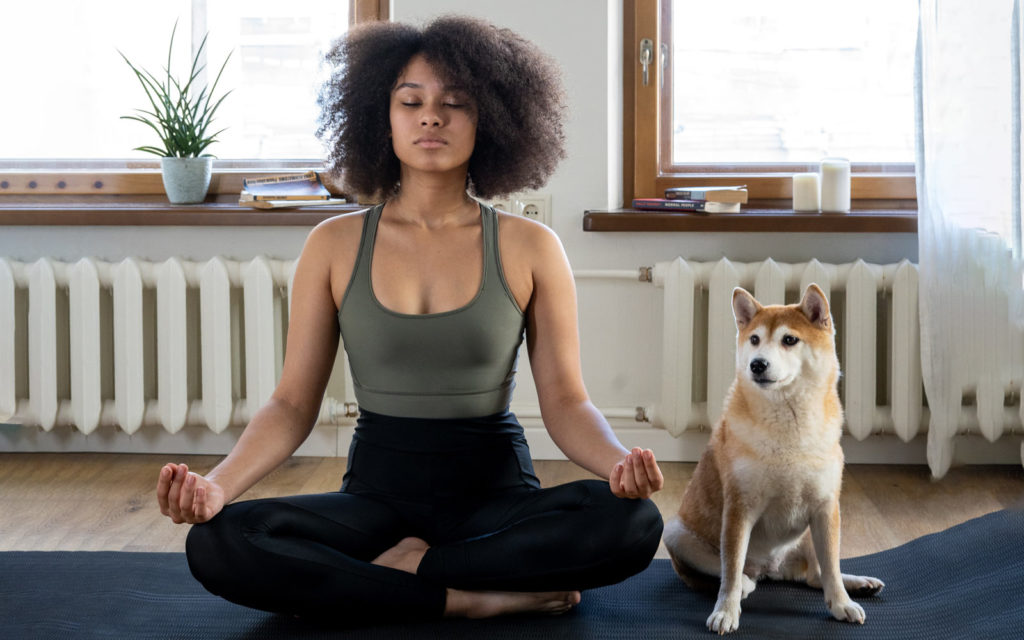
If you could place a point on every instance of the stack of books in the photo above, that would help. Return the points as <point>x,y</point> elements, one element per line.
<point>716,199</point>
<point>290,190</point>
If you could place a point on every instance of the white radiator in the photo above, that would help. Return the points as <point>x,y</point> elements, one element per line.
<point>875,310</point>
<point>138,343</point>
<point>162,346</point>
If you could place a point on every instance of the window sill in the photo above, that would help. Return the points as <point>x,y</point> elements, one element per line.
<point>754,220</point>
<point>140,213</point>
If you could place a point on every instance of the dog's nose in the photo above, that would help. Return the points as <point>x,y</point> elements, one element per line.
<point>758,366</point>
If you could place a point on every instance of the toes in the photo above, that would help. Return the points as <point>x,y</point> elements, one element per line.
<point>724,621</point>
<point>862,586</point>
<point>848,611</point>
<point>556,604</point>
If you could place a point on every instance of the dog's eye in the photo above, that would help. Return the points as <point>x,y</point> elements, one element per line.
<point>789,341</point>
<point>754,340</point>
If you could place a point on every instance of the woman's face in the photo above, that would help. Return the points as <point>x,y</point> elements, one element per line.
<point>433,126</point>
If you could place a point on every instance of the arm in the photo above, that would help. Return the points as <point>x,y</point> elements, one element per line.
<point>576,426</point>
<point>278,428</point>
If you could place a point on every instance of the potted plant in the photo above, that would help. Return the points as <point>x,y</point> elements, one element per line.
<point>181,115</point>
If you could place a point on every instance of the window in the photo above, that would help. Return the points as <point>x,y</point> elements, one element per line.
<point>74,86</point>
<point>751,92</point>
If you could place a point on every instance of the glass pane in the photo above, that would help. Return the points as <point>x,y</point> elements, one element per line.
<point>73,86</point>
<point>792,81</point>
<point>275,72</point>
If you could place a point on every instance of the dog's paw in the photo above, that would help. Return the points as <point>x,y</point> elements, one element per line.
<point>725,619</point>
<point>862,586</point>
<point>846,611</point>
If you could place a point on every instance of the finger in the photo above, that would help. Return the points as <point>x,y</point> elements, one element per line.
<point>199,508</point>
<point>188,494</point>
<point>174,494</point>
<point>643,484</point>
<point>615,481</point>
<point>629,478</point>
<point>653,471</point>
<point>163,485</point>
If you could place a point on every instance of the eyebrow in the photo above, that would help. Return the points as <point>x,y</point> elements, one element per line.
<point>416,85</point>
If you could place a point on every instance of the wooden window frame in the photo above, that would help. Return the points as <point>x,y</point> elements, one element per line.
<point>137,179</point>
<point>646,146</point>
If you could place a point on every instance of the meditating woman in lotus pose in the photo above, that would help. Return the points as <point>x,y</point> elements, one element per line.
<point>440,512</point>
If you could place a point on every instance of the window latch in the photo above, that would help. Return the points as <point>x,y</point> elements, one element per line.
<point>646,56</point>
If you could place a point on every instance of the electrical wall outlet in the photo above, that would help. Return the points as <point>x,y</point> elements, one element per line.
<point>535,206</point>
<point>502,204</point>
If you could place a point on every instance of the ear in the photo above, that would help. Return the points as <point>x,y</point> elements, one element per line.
<point>744,307</point>
<point>815,307</point>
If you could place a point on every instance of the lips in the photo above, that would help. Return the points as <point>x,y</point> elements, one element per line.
<point>428,142</point>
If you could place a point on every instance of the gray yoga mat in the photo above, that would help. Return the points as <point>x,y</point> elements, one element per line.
<point>965,582</point>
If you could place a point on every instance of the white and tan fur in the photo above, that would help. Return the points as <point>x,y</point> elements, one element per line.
<point>764,498</point>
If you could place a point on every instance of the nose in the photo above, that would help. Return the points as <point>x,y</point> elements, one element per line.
<point>758,366</point>
<point>429,117</point>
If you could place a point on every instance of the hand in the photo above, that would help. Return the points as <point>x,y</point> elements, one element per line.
<point>186,496</point>
<point>638,476</point>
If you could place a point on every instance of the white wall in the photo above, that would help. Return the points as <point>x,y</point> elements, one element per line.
<point>620,321</point>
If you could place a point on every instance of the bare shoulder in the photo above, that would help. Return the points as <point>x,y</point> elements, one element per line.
<point>529,240</point>
<point>529,251</point>
<point>336,232</point>
<point>332,247</point>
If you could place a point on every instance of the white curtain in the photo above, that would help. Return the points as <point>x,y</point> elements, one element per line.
<point>969,199</point>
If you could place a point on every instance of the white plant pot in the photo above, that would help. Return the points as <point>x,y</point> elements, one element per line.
<point>186,180</point>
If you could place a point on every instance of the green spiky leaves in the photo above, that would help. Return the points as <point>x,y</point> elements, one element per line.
<point>180,116</point>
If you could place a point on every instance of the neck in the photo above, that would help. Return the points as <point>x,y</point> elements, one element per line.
<point>803,408</point>
<point>432,200</point>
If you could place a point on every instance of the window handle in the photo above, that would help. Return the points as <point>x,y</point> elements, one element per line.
<point>646,56</point>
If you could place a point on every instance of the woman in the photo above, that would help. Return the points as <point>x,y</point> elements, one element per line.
<point>440,512</point>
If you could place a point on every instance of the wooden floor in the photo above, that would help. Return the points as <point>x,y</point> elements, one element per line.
<point>106,501</point>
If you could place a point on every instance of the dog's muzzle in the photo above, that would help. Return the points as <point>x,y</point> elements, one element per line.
<point>759,368</point>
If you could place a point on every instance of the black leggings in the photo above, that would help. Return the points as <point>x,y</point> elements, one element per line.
<point>466,487</point>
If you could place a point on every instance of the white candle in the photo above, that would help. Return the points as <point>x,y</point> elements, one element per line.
<point>835,185</point>
<point>806,196</point>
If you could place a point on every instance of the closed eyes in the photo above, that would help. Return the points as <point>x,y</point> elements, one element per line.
<point>451,105</point>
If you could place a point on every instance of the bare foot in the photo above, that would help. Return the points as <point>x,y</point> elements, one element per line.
<point>405,556</point>
<point>408,553</point>
<point>487,604</point>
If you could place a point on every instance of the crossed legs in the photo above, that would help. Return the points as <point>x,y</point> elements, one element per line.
<point>358,558</point>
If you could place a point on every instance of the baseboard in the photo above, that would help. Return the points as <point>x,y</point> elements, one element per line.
<point>189,441</point>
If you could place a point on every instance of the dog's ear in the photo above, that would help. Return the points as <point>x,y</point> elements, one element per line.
<point>815,307</point>
<point>744,307</point>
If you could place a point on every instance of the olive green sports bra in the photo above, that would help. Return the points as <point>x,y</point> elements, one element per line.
<point>454,364</point>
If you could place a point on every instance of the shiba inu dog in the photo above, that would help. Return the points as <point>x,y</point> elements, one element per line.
<point>764,498</point>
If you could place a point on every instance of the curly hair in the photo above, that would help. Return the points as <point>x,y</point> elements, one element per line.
<point>516,87</point>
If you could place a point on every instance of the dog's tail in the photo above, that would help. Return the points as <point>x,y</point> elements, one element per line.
<point>697,580</point>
